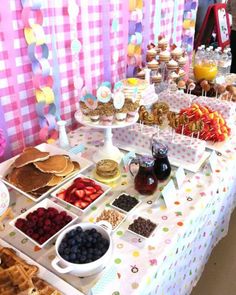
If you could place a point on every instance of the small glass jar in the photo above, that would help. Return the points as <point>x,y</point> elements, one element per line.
<point>145,181</point>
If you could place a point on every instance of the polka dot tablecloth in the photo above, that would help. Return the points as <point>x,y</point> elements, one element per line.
<point>172,260</point>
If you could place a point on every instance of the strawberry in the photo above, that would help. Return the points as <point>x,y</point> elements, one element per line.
<point>80,193</point>
<point>84,204</point>
<point>94,196</point>
<point>78,203</point>
<point>61,195</point>
<point>87,181</point>
<point>87,199</point>
<point>79,185</point>
<point>92,189</point>
<point>97,187</point>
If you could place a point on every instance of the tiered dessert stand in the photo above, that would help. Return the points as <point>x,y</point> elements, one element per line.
<point>108,150</point>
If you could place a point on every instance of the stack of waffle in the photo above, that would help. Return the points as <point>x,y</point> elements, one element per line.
<point>17,277</point>
<point>35,172</point>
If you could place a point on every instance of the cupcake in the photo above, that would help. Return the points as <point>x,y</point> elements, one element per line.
<point>182,61</point>
<point>181,73</point>
<point>164,56</point>
<point>94,115</point>
<point>141,74</point>
<point>121,115</point>
<point>172,65</point>
<point>150,54</point>
<point>174,76</point>
<point>176,53</point>
<point>153,65</point>
<point>107,116</point>
<point>156,79</point>
<point>132,109</point>
<point>162,43</point>
<point>84,109</point>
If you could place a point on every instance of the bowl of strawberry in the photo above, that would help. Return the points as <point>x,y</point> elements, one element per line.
<point>81,192</point>
<point>43,222</point>
<point>83,249</point>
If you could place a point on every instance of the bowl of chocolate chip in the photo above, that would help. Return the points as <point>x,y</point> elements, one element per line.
<point>83,249</point>
<point>142,227</point>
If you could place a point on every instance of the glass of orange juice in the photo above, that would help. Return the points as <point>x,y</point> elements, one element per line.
<point>207,71</point>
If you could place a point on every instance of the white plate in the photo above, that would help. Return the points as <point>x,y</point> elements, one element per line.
<point>45,204</point>
<point>121,210</point>
<point>4,198</point>
<point>174,162</point>
<point>79,117</point>
<point>53,150</point>
<point>105,188</point>
<point>45,274</point>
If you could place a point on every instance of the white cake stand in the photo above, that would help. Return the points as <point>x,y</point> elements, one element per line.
<point>108,150</point>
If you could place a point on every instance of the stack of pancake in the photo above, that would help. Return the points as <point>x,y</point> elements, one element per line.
<point>107,168</point>
<point>35,172</point>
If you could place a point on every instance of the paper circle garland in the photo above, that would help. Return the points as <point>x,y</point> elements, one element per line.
<point>103,94</point>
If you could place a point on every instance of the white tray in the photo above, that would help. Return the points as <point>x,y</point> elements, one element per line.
<point>45,274</point>
<point>53,150</point>
<point>174,162</point>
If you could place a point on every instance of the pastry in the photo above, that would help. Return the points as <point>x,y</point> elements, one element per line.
<point>107,168</point>
<point>182,61</point>
<point>174,76</point>
<point>150,54</point>
<point>181,73</point>
<point>141,74</point>
<point>162,43</point>
<point>30,155</point>
<point>176,52</point>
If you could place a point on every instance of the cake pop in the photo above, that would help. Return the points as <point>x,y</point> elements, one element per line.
<point>181,84</point>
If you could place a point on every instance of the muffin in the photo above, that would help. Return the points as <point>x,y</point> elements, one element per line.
<point>164,56</point>
<point>153,65</point>
<point>174,76</point>
<point>172,65</point>
<point>181,73</point>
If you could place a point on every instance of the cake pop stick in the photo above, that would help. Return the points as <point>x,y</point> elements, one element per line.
<point>191,87</point>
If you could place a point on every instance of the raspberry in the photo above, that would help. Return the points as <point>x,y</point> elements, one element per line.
<point>63,213</point>
<point>35,218</point>
<point>47,222</point>
<point>41,211</point>
<point>35,236</point>
<point>29,232</point>
<point>68,219</point>
<point>46,229</point>
<point>29,216</point>
<point>20,223</point>
<point>42,240</point>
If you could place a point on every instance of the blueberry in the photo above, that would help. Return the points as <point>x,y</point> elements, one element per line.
<point>89,256</point>
<point>78,230</point>
<point>84,252</point>
<point>82,258</point>
<point>93,230</point>
<point>72,242</point>
<point>67,251</point>
<point>72,257</point>
<point>78,238</point>
<point>90,250</point>
<point>74,249</point>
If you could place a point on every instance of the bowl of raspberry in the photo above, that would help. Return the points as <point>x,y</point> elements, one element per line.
<point>43,222</point>
<point>83,249</point>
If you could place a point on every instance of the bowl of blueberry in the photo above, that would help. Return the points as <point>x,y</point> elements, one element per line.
<point>83,249</point>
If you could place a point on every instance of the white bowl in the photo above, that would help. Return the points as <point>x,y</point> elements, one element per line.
<point>46,203</point>
<point>85,269</point>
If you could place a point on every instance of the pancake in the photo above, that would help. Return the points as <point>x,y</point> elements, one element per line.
<point>76,165</point>
<point>39,192</point>
<point>28,178</point>
<point>69,168</point>
<point>30,155</point>
<point>55,180</point>
<point>107,168</point>
<point>54,164</point>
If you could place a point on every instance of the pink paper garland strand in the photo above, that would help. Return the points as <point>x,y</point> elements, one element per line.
<point>42,80</point>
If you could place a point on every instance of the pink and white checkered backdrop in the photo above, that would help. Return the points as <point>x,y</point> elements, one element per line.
<point>16,89</point>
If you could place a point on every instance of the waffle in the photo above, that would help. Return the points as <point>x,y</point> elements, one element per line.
<point>9,258</point>
<point>17,277</point>
<point>44,288</point>
<point>14,280</point>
